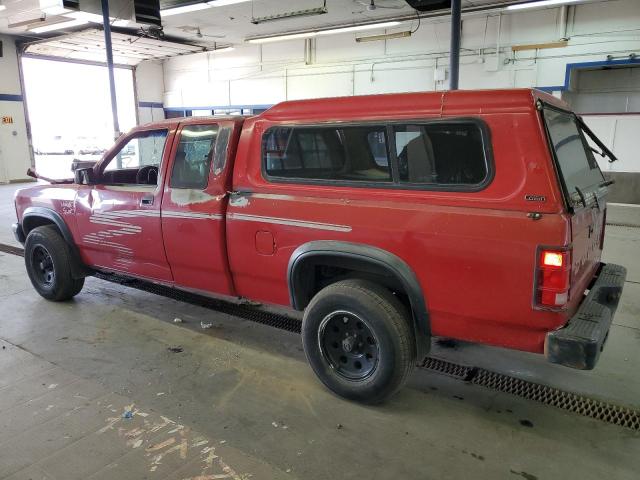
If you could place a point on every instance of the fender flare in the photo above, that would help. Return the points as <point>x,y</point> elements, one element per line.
<point>379,260</point>
<point>78,268</point>
<point>49,214</point>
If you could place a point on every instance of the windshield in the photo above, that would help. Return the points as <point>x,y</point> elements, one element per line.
<point>577,164</point>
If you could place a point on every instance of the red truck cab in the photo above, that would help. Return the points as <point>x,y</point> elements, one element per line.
<point>388,219</point>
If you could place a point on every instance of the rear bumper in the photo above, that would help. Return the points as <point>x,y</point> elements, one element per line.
<point>18,232</point>
<point>578,344</point>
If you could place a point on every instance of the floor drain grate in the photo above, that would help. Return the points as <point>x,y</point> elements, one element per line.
<point>11,249</point>
<point>572,402</point>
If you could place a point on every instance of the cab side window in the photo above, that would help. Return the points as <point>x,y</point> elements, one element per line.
<point>138,161</point>
<point>192,162</point>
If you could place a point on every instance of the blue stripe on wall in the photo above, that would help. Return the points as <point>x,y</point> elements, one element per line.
<point>150,104</point>
<point>571,66</point>
<point>8,97</point>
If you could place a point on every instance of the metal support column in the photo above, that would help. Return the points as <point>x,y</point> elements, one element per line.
<point>454,54</point>
<point>112,83</point>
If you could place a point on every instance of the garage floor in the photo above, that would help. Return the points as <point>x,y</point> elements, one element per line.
<point>238,401</point>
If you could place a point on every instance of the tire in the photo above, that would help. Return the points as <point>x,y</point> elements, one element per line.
<point>48,260</point>
<point>358,339</point>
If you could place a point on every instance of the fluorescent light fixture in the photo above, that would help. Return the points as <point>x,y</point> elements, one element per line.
<point>540,4</point>
<point>332,31</point>
<point>357,28</point>
<point>223,49</point>
<point>280,38</point>
<point>2,7</point>
<point>384,36</point>
<point>224,3</point>
<point>95,18</point>
<point>194,7</point>
<point>293,14</point>
<point>58,26</point>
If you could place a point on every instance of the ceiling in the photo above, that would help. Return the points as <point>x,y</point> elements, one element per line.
<point>232,24</point>
<point>213,27</point>
<point>88,45</point>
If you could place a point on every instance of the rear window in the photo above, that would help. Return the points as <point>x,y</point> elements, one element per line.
<point>426,155</point>
<point>575,159</point>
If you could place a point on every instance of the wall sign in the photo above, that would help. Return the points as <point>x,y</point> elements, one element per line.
<point>7,120</point>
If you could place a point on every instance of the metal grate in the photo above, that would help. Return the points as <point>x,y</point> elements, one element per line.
<point>572,402</point>
<point>11,250</point>
<point>628,225</point>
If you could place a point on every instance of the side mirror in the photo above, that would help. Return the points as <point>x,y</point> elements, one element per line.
<point>84,176</point>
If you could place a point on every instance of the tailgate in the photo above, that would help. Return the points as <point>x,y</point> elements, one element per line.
<point>587,230</point>
<point>585,192</point>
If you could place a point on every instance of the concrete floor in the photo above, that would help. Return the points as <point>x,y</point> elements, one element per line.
<point>240,402</point>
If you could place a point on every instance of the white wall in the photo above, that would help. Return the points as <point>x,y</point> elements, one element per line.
<point>258,75</point>
<point>15,154</point>
<point>149,77</point>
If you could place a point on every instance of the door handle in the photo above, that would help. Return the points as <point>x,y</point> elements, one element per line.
<point>146,200</point>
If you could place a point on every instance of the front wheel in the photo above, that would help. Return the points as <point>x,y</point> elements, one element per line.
<point>48,261</point>
<point>358,340</point>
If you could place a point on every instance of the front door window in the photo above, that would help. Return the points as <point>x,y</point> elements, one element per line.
<point>138,161</point>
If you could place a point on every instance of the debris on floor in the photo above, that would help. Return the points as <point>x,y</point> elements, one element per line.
<point>128,412</point>
<point>176,349</point>
<point>205,326</point>
<point>178,320</point>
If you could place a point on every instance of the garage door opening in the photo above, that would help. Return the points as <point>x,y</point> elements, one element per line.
<point>70,111</point>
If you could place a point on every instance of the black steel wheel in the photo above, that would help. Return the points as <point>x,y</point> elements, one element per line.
<point>42,264</point>
<point>48,261</point>
<point>359,341</point>
<point>348,344</point>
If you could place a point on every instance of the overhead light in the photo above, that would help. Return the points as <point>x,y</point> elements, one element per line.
<point>540,4</point>
<point>193,7</point>
<point>332,31</point>
<point>95,18</point>
<point>2,7</point>
<point>293,14</point>
<point>384,36</point>
<point>280,38</point>
<point>224,3</point>
<point>223,49</point>
<point>357,28</point>
<point>58,26</point>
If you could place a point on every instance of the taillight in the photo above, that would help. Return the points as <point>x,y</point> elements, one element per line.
<point>553,271</point>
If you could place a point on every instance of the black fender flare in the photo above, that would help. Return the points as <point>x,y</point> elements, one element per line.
<point>363,255</point>
<point>78,269</point>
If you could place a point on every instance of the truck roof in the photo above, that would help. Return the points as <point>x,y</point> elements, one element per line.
<point>459,102</point>
<point>411,104</point>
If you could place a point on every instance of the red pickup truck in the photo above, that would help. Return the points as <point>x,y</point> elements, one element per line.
<point>388,219</point>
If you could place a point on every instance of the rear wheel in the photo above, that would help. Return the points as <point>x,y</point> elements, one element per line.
<point>48,261</point>
<point>358,340</point>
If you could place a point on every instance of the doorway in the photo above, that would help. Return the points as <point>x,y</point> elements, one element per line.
<point>70,111</point>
